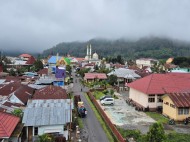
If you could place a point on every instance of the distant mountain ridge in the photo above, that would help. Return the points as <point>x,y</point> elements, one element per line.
<point>159,48</point>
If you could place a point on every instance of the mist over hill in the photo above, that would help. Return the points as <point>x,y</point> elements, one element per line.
<point>154,47</point>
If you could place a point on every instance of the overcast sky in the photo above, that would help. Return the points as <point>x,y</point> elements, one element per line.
<point>35,25</point>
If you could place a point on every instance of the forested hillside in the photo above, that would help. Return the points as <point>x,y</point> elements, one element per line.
<point>160,48</point>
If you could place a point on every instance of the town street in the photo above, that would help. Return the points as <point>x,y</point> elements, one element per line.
<point>92,128</point>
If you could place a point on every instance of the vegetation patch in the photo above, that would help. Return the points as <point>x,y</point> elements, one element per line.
<point>103,124</point>
<point>158,117</point>
<point>178,137</point>
<point>80,122</point>
<point>98,95</point>
<point>136,134</point>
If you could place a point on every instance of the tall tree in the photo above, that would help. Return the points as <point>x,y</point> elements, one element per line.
<point>68,68</point>
<point>38,65</point>
<point>112,79</point>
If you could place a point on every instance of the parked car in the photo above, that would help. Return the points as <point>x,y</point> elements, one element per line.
<point>106,96</point>
<point>107,101</point>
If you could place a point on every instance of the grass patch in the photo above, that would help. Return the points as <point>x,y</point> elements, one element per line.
<point>158,117</point>
<point>103,124</point>
<point>80,123</point>
<point>178,137</point>
<point>98,95</point>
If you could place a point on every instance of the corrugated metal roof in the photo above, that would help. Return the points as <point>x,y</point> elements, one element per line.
<point>123,72</point>
<point>51,92</point>
<point>53,59</point>
<point>180,99</point>
<point>47,112</point>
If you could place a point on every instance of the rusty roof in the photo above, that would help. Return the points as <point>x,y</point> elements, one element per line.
<point>23,93</point>
<point>180,99</point>
<point>6,90</point>
<point>50,92</point>
<point>43,71</point>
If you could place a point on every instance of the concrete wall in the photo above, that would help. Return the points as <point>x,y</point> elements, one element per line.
<point>138,97</point>
<point>44,129</point>
<point>167,109</point>
<point>142,99</point>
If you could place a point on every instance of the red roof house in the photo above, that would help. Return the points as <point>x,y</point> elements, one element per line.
<point>43,71</point>
<point>30,60</point>
<point>8,123</point>
<point>25,55</point>
<point>51,92</point>
<point>93,76</point>
<point>147,91</point>
<point>80,59</point>
<point>22,94</point>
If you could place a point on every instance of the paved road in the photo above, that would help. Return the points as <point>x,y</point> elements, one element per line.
<point>92,127</point>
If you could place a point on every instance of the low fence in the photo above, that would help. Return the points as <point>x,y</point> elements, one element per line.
<point>106,119</point>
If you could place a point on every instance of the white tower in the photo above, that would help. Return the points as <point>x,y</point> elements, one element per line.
<point>90,51</point>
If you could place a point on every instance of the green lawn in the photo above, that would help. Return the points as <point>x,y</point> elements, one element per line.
<point>158,117</point>
<point>103,124</point>
<point>98,95</point>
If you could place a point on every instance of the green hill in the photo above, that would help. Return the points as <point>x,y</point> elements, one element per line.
<point>159,48</point>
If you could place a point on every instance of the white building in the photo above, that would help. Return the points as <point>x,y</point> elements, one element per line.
<point>92,58</point>
<point>148,62</point>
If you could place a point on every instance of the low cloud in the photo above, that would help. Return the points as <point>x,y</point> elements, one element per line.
<point>33,26</point>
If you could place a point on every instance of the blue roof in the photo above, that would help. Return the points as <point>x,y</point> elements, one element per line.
<point>53,59</point>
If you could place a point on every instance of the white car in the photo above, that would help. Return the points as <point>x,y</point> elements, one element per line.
<point>107,101</point>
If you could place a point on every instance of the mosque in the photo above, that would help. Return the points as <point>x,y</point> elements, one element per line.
<point>92,58</point>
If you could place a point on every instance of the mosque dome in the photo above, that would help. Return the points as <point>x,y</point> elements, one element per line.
<point>95,56</point>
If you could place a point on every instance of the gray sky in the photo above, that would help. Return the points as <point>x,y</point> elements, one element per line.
<point>35,25</point>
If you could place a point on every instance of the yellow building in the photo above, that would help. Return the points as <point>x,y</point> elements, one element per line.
<point>176,106</point>
<point>169,60</point>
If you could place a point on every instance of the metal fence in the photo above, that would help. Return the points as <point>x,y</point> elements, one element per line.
<point>112,127</point>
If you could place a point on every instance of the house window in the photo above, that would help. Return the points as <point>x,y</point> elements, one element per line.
<point>159,99</point>
<point>171,105</point>
<point>35,131</point>
<point>166,103</point>
<point>186,111</point>
<point>182,111</point>
<point>65,127</point>
<point>151,100</point>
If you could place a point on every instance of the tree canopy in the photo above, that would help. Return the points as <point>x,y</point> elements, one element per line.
<point>159,48</point>
<point>156,133</point>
